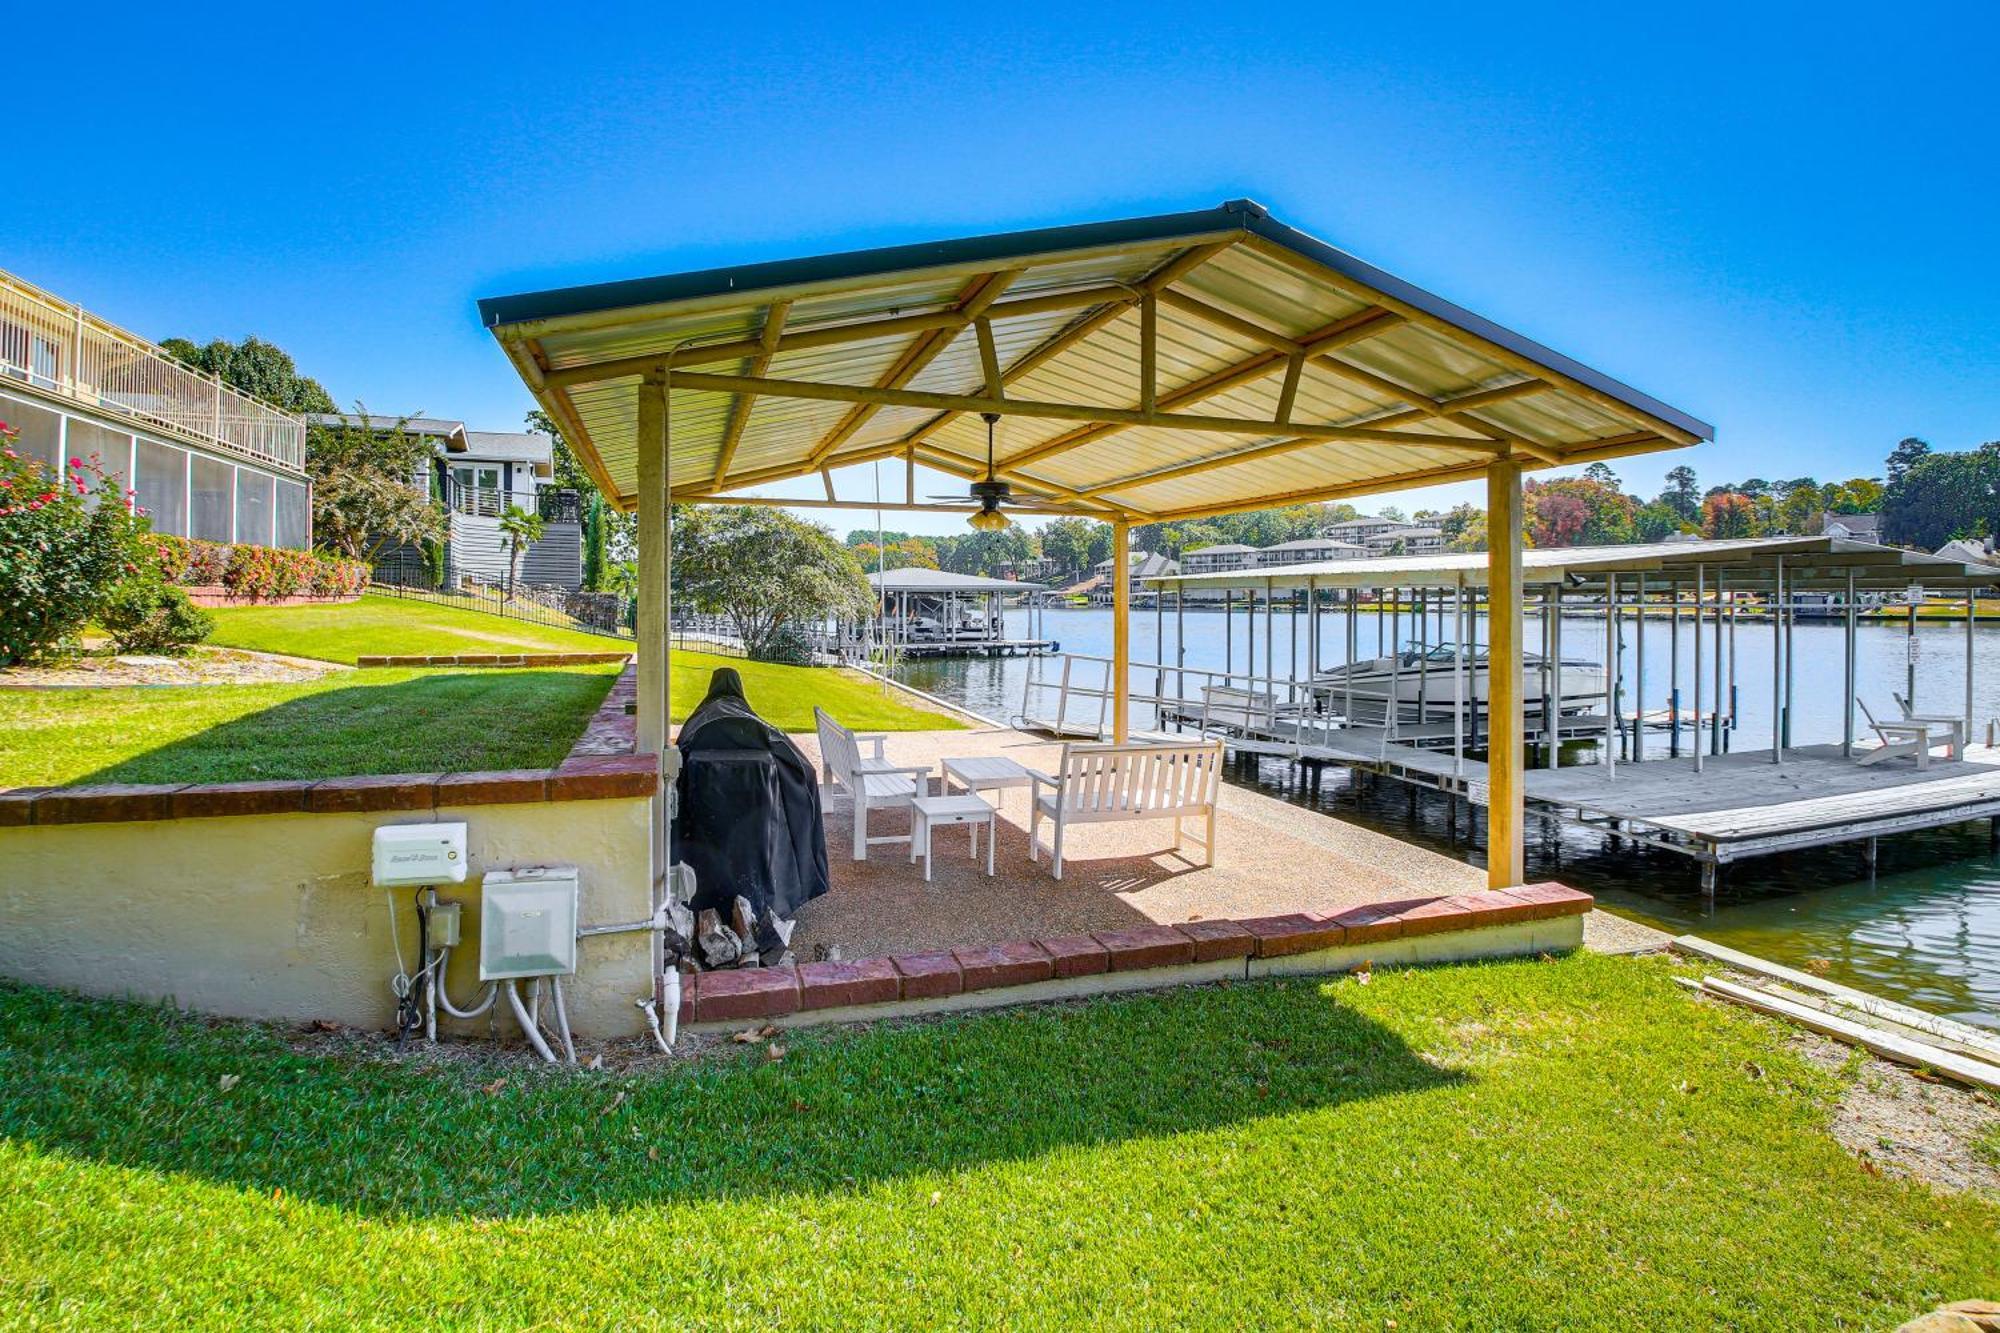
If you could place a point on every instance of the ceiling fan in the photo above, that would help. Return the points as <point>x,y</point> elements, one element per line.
<point>992,492</point>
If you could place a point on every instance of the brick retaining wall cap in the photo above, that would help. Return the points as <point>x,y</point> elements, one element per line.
<point>1295,932</point>
<point>1145,946</point>
<point>1218,939</point>
<point>831,985</point>
<point>745,992</point>
<point>1015,963</point>
<point>1076,956</point>
<point>928,976</point>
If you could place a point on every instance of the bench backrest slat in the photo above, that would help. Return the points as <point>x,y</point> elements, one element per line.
<point>1113,779</point>
<point>837,747</point>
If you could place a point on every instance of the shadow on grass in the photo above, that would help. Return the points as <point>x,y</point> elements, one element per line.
<point>141,1087</point>
<point>443,722</point>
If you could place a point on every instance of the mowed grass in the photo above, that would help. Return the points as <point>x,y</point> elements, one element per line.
<point>386,626</point>
<point>1569,1143</point>
<point>377,721</point>
<point>379,625</point>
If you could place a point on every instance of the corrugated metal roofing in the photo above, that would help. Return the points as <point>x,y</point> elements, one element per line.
<point>875,355</point>
<point>941,580</point>
<point>1744,562</point>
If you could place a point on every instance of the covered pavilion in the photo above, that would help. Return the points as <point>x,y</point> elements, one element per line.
<point>1136,372</point>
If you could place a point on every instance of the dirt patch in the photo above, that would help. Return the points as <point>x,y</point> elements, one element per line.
<point>1906,1126</point>
<point>204,666</point>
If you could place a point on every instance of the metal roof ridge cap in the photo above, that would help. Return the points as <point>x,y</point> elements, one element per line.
<point>659,289</point>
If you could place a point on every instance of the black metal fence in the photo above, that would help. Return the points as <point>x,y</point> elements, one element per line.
<point>602,613</point>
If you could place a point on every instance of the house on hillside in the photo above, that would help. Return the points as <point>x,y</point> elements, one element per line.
<point>1218,559</point>
<point>206,461</point>
<point>1145,565</point>
<point>1853,527</point>
<point>1309,551</point>
<point>1364,530</point>
<point>479,475</point>
<point>1971,550</point>
<point>1406,539</point>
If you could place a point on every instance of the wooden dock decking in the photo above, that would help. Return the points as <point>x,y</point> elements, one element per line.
<point>1741,805</point>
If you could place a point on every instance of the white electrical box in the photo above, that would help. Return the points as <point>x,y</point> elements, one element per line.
<point>527,922</point>
<point>409,855</point>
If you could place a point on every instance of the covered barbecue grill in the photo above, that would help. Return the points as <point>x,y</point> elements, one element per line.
<point>749,821</point>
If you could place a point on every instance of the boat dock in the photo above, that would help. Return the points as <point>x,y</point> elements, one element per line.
<point>1668,766</point>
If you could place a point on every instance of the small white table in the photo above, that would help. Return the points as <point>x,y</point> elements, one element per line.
<point>983,772</point>
<point>928,812</point>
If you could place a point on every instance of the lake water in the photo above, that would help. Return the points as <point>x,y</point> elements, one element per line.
<point>1925,929</point>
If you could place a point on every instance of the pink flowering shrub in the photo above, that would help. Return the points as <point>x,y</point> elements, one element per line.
<point>62,550</point>
<point>256,573</point>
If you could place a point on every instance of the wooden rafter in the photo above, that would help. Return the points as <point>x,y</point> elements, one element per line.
<point>925,348</point>
<point>1424,406</point>
<point>1362,324</point>
<point>739,414</point>
<point>832,335</point>
<point>1195,467</point>
<point>1021,407</point>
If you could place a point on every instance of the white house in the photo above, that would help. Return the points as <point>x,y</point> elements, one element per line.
<point>1309,551</point>
<point>207,461</point>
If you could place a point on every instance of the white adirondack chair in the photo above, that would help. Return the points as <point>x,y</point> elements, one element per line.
<point>872,780</point>
<point>1911,737</point>
<point>1100,784</point>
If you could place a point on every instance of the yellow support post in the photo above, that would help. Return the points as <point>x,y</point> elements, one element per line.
<point>1121,632</point>
<point>1507,808</point>
<point>652,638</point>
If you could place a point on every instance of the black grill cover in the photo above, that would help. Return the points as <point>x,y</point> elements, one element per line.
<point>749,819</point>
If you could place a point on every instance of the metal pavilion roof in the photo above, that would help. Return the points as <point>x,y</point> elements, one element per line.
<point>1149,369</point>
<point>909,579</point>
<point>1745,563</point>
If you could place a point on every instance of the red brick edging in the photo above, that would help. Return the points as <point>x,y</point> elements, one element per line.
<point>774,992</point>
<point>496,660</point>
<point>600,766</point>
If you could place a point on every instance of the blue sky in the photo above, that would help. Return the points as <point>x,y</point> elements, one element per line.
<point>1783,221</point>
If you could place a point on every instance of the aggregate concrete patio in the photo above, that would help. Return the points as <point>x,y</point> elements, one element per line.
<point>1271,858</point>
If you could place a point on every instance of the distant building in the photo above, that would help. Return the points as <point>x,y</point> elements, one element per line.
<point>1145,565</point>
<point>1971,551</point>
<point>1309,551</point>
<point>1852,527</point>
<point>1407,539</point>
<point>1362,531</point>
<point>479,475</point>
<point>206,461</point>
<point>1218,559</point>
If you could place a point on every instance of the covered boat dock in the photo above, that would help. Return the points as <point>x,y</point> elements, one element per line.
<point>1683,777</point>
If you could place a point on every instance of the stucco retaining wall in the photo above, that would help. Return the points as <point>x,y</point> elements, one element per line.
<point>273,915</point>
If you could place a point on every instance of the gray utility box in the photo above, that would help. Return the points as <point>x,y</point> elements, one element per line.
<point>527,922</point>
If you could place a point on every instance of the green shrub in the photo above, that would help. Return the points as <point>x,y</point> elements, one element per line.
<point>144,615</point>
<point>256,573</point>
<point>64,544</point>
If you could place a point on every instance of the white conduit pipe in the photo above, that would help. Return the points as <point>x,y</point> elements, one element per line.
<point>562,1021</point>
<point>527,1023</point>
<point>486,999</point>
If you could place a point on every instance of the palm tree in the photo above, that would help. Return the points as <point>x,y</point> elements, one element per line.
<point>523,530</point>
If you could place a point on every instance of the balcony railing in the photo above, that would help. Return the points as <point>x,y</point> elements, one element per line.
<point>554,504</point>
<point>61,348</point>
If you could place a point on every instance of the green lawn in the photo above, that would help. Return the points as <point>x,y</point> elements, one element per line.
<point>389,626</point>
<point>1561,1143</point>
<point>387,721</point>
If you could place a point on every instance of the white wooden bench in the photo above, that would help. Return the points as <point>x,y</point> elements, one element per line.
<point>872,780</point>
<point>1101,784</point>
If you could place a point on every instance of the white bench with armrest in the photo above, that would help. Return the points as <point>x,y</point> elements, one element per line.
<point>1100,784</point>
<point>873,780</point>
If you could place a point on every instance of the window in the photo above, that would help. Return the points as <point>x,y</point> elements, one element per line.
<point>111,448</point>
<point>162,486</point>
<point>294,515</point>
<point>41,431</point>
<point>214,493</point>
<point>253,507</point>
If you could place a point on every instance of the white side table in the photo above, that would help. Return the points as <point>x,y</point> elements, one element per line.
<point>928,812</point>
<point>983,772</point>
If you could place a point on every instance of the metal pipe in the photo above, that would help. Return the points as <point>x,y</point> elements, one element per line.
<point>1715,708</point>
<point>1611,674</point>
<point>1639,676</point>
<point>1971,614</point>
<point>1552,697</point>
<point>1673,666</point>
<point>1700,592</point>
<point>1459,666</point>
<point>1778,663</point>
<point>1847,654</point>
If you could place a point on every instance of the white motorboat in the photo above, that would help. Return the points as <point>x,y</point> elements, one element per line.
<point>1423,675</point>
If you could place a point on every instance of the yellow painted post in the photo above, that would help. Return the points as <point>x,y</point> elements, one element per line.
<point>655,675</point>
<point>1121,632</point>
<point>1506,811</point>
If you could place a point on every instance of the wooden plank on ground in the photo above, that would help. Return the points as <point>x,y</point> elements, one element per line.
<point>1903,1050</point>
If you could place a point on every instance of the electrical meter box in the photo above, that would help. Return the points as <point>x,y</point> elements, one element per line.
<point>527,922</point>
<point>410,855</point>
